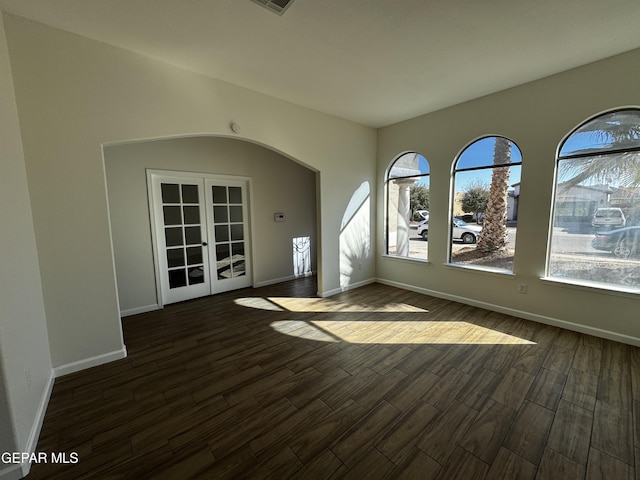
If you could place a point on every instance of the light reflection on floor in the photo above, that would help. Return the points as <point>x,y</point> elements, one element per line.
<point>397,332</point>
<point>259,303</point>
<point>327,305</point>
<point>362,329</point>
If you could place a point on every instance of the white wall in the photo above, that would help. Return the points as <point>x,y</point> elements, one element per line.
<point>74,95</point>
<point>25,363</point>
<point>279,185</point>
<point>536,116</point>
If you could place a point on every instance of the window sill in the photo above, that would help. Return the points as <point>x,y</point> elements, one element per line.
<point>407,259</point>
<point>620,291</point>
<point>481,269</point>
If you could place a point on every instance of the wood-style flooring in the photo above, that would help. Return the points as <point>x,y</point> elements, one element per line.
<point>374,383</point>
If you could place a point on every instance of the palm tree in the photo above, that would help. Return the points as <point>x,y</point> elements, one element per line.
<point>494,236</point>
<point>605,149</point>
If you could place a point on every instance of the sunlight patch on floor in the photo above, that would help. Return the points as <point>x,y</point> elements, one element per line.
<point>397,332</point>
<point>293,304</point>
<point>259,303</point>
<point>296,328</point>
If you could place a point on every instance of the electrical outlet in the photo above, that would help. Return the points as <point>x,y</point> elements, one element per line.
<point>522,288</point>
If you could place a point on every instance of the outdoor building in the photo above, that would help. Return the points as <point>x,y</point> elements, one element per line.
<point>512,203</point>
<point>403,175</point>
<point>575,205</point>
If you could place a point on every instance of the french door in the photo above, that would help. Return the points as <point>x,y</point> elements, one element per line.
<point>201,234</point>
<point>228,229</point>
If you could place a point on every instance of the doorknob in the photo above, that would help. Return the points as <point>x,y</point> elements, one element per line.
<point>204,244</point>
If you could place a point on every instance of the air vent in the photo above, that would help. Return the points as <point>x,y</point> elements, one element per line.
<point>277,6</point>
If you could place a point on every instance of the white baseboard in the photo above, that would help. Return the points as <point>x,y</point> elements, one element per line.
<point>596,332</point>
<point>73,367</point>
<point>274,281</point>
<point>18,471</point>
<point>137,310</point>
<point>34,435</point>
<point>335,291</point>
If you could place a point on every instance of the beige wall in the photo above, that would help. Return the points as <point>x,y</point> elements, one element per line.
<point>25,364</point>
<point>75,95</point>
<point>278,185</point>
<point>536,116</point>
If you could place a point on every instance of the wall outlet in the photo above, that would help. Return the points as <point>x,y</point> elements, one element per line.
<point>522,288</point>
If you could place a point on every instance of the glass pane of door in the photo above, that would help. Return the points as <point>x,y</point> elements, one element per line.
<point>228,218</point>
<point>201,234</point>
<point>183,239</point>
<point>180,234</point>
<point>229,229</point>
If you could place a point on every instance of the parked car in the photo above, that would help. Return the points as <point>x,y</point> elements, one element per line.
<point>622,242</point>
<point>423,228</point>
<point>608,217</point>
<point>460,230</point>
<point>424,214</point>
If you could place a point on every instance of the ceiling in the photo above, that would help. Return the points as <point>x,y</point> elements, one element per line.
<point>375,62</point>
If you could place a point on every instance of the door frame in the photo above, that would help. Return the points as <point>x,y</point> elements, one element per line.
<point>202,176</point>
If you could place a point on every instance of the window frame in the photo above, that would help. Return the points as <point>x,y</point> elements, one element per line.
<point>387,180</point>
<point>609,288</point>
<point>452,200</point>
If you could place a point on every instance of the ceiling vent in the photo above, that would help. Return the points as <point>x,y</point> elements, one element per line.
<point>277,6</point>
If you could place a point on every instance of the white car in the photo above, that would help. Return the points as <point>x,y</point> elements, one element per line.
<point>609,217</point>
<point>460,230</point>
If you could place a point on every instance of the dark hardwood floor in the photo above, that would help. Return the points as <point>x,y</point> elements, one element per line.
<point>375,383</point>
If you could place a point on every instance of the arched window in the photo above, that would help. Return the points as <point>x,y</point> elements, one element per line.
<point>407,197</point>
<point>595,233</point>
<point>486,192</point>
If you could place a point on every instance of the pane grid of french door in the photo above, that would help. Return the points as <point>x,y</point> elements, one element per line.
<point>183,237</point>
<point>201,234</point>
<point>228,220</point>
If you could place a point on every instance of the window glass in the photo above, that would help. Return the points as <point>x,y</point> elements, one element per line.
<point>595,232</point>
<point>486,195</point>
<point>407,210</point>
<point>618,130</point>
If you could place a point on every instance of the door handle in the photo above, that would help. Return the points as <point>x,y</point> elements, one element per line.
<point>204,244</point>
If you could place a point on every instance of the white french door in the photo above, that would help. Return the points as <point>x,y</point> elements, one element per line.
<point>201,234</point>
<point>228,225</point>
